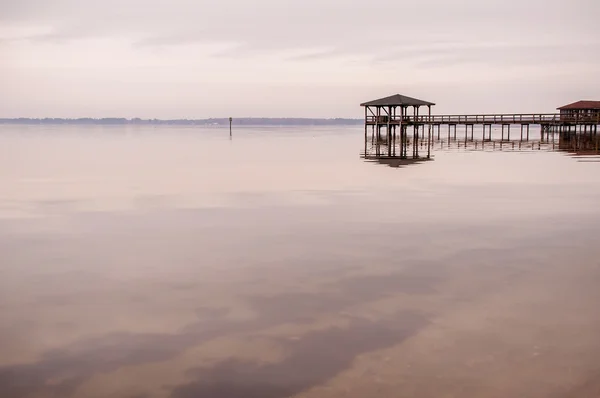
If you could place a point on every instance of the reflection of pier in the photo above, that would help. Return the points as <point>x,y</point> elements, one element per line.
<point>554,142</point>
<point>581,145</point>
<point>394,128</point>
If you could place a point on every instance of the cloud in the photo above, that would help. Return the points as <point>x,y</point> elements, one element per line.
<point>440,56</point>
<point>185,45</point>
<point>274,25</point>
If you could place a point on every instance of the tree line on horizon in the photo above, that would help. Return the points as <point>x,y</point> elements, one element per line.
<point>246,121</point>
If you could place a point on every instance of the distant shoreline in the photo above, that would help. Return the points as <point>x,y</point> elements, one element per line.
<point>188,122</point>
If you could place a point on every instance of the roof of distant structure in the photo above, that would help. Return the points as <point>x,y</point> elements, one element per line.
<point>594,105</point>
<point>397,100</point>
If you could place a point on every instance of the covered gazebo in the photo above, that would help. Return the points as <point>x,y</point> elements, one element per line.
<point>387,108</point>
<point>389,116</point>
<point>581,110</point>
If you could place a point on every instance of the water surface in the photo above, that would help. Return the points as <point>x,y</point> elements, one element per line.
<point>174,262</point>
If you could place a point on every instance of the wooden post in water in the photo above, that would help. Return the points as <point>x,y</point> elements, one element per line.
<point>372,135</point>
<point>230,132</point>
<point>394,135</point>
<point>388,132</point>
<point>416,133</point>
<point>521,132</point>
<point>489,133</point>
<point>366,131</point>
<point>429,133</point>
<point>401,128</point>
<point>378,133</point>
<point>544,133</point>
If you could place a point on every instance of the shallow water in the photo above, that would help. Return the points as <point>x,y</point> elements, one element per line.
<point>174,262</point>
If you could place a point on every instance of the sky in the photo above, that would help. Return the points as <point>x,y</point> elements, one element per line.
<point>293,58</point>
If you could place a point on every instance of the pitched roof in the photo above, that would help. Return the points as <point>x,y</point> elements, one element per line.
<point>397,100</point>
<point>595,105</point>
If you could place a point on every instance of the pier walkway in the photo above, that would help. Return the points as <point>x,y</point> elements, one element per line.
<point>554,119</point>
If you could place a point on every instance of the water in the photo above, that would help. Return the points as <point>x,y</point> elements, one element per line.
<point>173,262</point>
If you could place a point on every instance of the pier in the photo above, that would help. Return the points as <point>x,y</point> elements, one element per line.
<point>396,127</point>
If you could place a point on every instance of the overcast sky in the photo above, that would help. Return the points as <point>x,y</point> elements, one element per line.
<point>297,58</point>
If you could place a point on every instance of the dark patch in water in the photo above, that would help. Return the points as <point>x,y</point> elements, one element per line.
<point>290,307</point>
<point>374,286</point>
<point>74,364</point>
<point>312,360</point>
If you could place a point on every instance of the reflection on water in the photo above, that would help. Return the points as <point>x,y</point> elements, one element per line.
<point>397,162</point>
<point>172,262</point>
<point>311,360</point>
<point>583,146</point>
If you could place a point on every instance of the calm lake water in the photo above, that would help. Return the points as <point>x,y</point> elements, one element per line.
<point>173,262</point>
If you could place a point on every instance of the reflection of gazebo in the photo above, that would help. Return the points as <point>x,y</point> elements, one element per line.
<point>398,162</point>
<point>389,114</point>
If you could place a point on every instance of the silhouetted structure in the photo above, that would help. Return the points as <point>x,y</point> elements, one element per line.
<point>389,120</point>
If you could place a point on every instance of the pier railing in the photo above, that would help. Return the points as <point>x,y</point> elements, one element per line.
<point>521,118</point>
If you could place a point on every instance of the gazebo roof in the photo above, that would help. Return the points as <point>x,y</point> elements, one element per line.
<point>593,105</point>
<point>397,100</point>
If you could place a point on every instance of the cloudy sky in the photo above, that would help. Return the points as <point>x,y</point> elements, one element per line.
<point>297,58</point>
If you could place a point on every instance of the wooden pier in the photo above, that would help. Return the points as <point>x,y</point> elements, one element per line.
<point>394,125</point>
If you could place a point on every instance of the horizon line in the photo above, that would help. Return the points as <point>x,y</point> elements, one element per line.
<point>219,121</point>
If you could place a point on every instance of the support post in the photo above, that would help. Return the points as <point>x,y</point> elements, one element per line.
<point>521,132</point>
<point>366,130</point>
<point>372,135</point>
<point>429,134</point>
<point>401,131</point>
<point>388,132</point>
<point>377,127</point>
